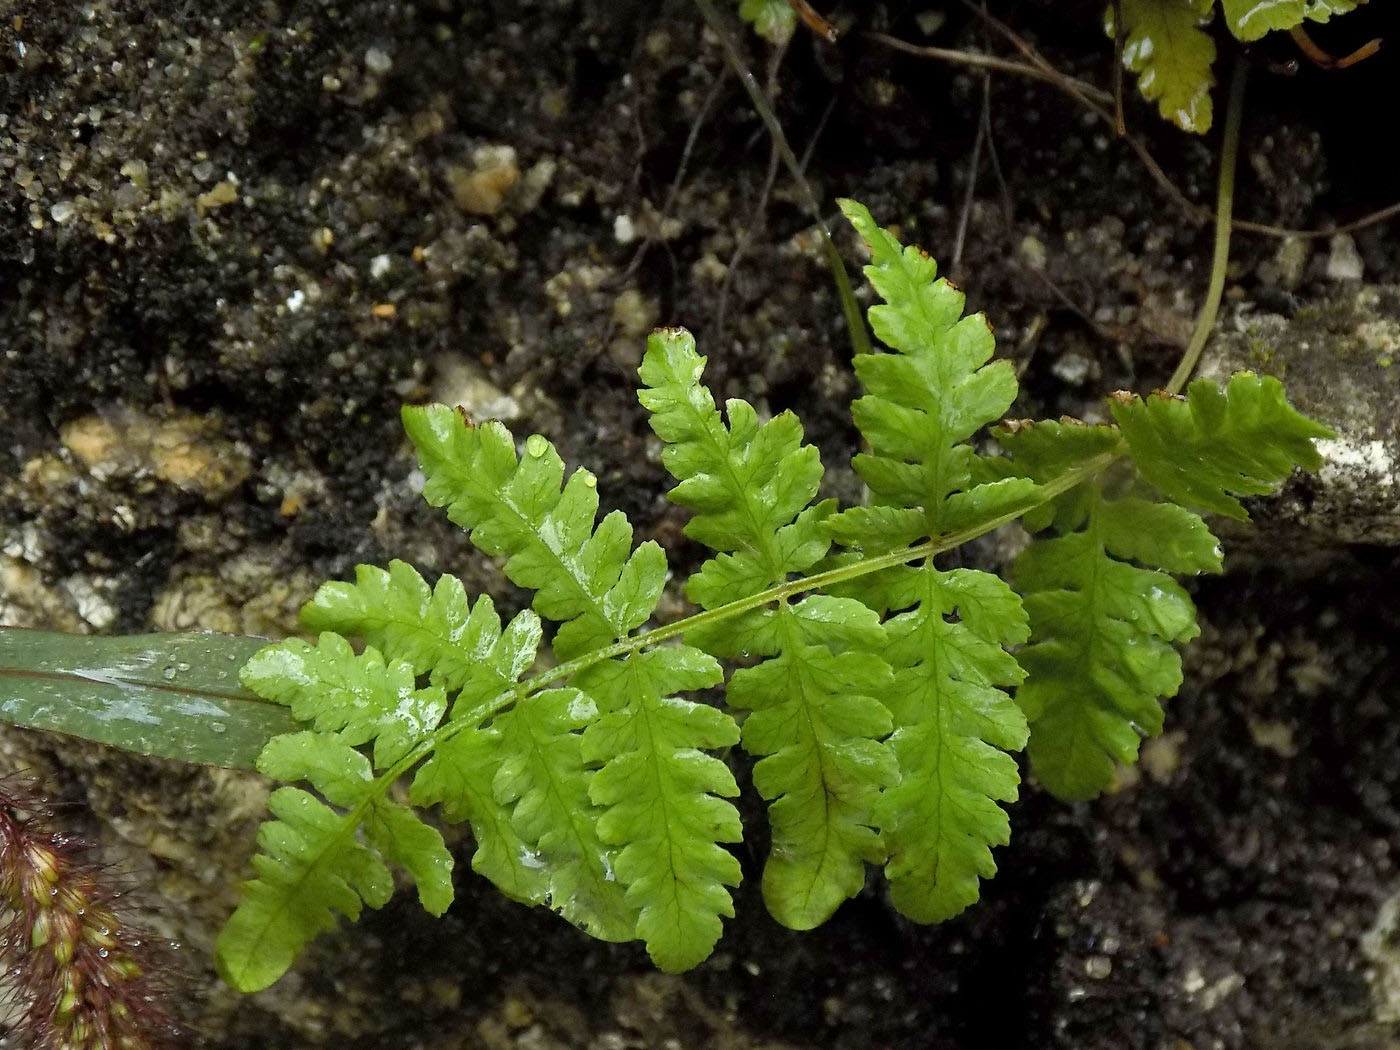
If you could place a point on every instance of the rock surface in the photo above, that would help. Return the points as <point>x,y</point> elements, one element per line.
<point>1340,358</point>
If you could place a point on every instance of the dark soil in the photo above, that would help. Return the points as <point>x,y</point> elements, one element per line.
<point>269,224</point>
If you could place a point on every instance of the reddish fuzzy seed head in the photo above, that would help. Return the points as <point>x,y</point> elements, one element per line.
<point>77,975</point>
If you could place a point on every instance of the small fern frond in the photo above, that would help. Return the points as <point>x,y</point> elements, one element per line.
<point>745,484</point>
<point>1201,449</point>
<point>543,776</point>
<point>589,581</point>
<point>433,629</point>
<point>461,776</point>
<point>313,865</point>
<point>1167,43</point>
<point>1250,20</point>
<point>664,799</point>
<point>518,779</point>
<point>815,724</point>
<point>1100,655</point>
<point>774,20</point>
<point>1104,611</point>
<point>954,724</point>
<point>819,730</point>
<point>923,403</point>
<point>657,795</point>
<point>953,720</point>
<point>359,698</point>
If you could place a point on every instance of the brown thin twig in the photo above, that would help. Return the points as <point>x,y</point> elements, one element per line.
<point>1326,60</point>
<point>1391,211</point>
<point>692,137</point>
<point>978,60</point>
<point>1097,104</point>
<point>1093,98</point>
<point>813,20</point>
<point>1118,39</point>
<point>1008,209</point>
<point>974,166</point>
<point>1362,53</point>
<point>762,104</point>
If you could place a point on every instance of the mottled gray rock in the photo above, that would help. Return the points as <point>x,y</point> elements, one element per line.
<point>1340,359</point>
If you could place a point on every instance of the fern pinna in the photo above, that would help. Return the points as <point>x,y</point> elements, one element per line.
<point>883,693</point>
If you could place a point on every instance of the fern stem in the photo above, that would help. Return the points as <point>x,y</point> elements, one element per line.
<point>1224,208</point>
<point>850,309</point>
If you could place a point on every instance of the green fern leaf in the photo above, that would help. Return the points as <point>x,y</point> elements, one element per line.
<point>589,581</point>
<point>926,400</point>
<point>359,698</point>
<point>642,742</point>
<point>774,20</point>
<point>1104,612</point>
<point>953,721</point>
<point>543,777</point>
<point>1165,44</point>
<point>460,775</point>
<point>662,796</point>
<point>1100,655</point>
<point>1249,19</point>
<point>312,864</point>
<point>954,726</point>
<point>1198,450</point>
<point>815,724</point>
<point>400,615</point>
<point>310,868</point>
<point>399,836</point>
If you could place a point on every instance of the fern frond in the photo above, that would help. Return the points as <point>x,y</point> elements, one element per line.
<point>590,581</point>
<point>351,700</point>
<point>1200,449</point>
<point>664,798</point>
<point>1100,655</point>
<point>923,403</point>
<point>953,721</point>
<point>656,794</point>
<point>502,776</point>
<point>954,724</point>
<point>815,723</point>
<point>874,681</point>
<point>461,775</point>
<point>542,775</point>
<point>433,629</point>
<point>1166,43</point>
<point>1250,20</point>
<point>774,20</point>
<point>359,698</point>
<point>313,866</point>
<point>1104,611</point>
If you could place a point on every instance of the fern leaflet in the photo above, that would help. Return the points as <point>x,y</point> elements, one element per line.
<point>954,723</point>
<point>599,589</point>
<point>814,720</point>
<point>1100,657</point>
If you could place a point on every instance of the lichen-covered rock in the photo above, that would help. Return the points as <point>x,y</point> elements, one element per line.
<point>1340,359</point>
